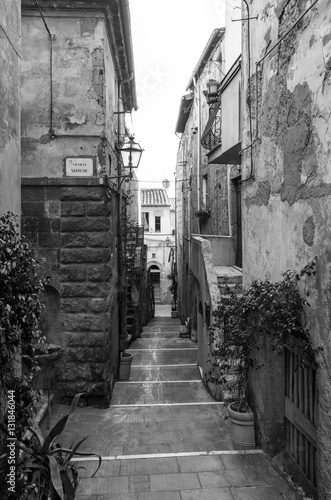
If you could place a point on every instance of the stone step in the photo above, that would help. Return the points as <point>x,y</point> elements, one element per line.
<point>165,373</point>
<point>164,335</point>
<point>159,343</point>
<point>228,274</point>
<point>233,280</point>
<point>160,329</point>
<point>235,288</point>
<point>181,392</point>
<point>163,357</point>
<point>163,319</point>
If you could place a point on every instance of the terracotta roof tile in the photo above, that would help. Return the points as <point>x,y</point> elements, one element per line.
<point>154,197</point>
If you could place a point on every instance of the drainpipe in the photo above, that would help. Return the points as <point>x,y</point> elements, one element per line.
<point>125,8</point>
<point>197,88</point>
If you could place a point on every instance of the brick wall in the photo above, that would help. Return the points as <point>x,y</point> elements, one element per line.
<point>73,229</point>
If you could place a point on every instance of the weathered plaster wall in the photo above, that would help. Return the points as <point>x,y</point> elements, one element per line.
<point>204,286</point>
<point>113,124</point>
<point>73,85</point>
<point>287,206</point>
<point>10,148</point>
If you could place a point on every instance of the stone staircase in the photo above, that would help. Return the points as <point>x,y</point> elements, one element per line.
<point>229,277</point>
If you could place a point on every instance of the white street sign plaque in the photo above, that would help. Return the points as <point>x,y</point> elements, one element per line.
<point>79,166</point>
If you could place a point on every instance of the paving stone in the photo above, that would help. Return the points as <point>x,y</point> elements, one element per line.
<point>103,485</point>
<point>107,468</point>
<point>257,468</point>
<point>223,478</point>
<point>114,495</point>
<point>206,494</point>
<point>149,466</point>
<point>160,495</point>
<point>147,449</point>
<point>261,493</point>
<point>139,483</point>
<point>171,482</point>
<point>199,464</point>
<point>86,497</point>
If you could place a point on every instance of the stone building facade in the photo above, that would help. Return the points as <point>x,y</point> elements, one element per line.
<point>286,190</point>
<point>207,182</point>
<point>77,82</point>
<point>158,219</point>
<point>10,140</point>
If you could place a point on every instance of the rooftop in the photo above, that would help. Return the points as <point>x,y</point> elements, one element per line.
<point>154,197</point>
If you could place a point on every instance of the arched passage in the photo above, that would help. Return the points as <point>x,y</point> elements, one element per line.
<point>156,282</point>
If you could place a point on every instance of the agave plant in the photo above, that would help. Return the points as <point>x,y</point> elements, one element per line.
<point>46,470</point>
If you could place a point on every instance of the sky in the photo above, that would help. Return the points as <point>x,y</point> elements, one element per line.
<point>168,39</point>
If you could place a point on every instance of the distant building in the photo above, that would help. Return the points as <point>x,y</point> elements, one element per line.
<point>158,219</point>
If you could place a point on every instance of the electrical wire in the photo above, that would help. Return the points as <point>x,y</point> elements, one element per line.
<point>51,130</point>
<point>251,175</point>
<point>10,42</point>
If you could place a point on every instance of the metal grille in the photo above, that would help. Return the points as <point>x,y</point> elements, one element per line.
<point>212,136</point>
<point>300,419</point>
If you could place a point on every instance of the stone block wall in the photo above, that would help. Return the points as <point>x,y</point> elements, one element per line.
<point>71,226</point>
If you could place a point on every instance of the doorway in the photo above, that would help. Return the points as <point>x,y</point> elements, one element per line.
<point>156,283</point>
<point>239,258</point>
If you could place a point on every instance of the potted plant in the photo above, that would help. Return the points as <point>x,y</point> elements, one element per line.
<point>125,365</point>
<point>202,213</point>
<point>243,322</point>
<point>46,469</point>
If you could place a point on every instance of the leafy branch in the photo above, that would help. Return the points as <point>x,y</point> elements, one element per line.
<point>263,315</point>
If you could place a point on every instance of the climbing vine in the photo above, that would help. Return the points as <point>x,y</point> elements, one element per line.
<point>265,314</point>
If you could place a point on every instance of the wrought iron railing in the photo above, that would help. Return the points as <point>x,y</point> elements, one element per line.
<point>212,135</point>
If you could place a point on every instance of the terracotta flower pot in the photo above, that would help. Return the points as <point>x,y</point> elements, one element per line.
<point>242,429</point>
<point>125,366</point>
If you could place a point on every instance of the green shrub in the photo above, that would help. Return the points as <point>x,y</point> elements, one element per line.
<point>244,321</point>
<point>20,311</point>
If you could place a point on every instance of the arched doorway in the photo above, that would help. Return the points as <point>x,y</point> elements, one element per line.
<point>156,282</point>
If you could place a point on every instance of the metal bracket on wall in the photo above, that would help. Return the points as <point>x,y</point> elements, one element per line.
<point>244,18</point>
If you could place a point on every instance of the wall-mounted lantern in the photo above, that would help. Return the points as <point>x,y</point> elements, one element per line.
<point>131,154</point>
<point>211,93</point>
<point>129,157</point>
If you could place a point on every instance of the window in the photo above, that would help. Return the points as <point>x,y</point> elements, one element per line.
<point>204,192</point>
<point>157,224</point>
<point>153,255</point>
<point>145,220</point>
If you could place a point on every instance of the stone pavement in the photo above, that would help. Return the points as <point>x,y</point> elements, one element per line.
<point>164,437</point>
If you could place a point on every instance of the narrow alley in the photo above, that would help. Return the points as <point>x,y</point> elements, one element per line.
<point>164,437</point>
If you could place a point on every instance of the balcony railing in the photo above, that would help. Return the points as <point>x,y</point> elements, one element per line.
<point>212,135</point>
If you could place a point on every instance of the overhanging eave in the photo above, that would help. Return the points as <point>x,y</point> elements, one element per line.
<point>229,157</point>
